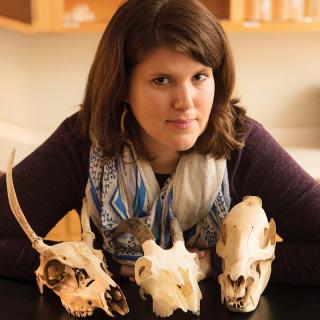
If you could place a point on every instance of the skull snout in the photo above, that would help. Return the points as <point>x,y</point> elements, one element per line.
<point>115,300</point>
<point>236,286</point>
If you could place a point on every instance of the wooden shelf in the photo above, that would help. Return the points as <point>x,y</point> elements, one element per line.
<point>16,25</point>
<point>249,26</point>
<point>229,26</point>
<point>65,15</point>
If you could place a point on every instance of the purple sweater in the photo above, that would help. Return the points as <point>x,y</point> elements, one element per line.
<point>51,181</point>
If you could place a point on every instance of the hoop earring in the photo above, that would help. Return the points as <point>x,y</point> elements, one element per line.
<point>123,116</point>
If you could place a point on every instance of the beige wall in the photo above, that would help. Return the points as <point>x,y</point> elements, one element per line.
<point>278,76</point>
<point>42,78</point>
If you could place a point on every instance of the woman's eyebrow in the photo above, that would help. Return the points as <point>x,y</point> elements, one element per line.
<point>205,69</point>
<point>167,74</point>
<point>159,73</point>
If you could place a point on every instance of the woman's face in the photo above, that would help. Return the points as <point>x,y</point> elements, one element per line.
<point>171,97</point>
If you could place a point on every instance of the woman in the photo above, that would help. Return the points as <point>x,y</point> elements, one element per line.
<point>158,132</point>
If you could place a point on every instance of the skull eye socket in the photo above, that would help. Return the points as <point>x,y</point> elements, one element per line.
<point>54,272</point>
<point>141,270</point>
<point>144,273</point>
<point>144,268</point>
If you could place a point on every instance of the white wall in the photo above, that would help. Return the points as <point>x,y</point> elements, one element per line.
<point>42,78</point>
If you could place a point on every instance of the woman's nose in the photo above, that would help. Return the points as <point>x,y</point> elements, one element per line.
<point>183,97</point>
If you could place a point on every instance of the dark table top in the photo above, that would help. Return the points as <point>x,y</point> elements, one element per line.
<point>22,301</point>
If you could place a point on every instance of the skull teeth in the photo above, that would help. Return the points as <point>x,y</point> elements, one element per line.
<point>240,304</point>
<point>237,304</point>
<point>83,314</point>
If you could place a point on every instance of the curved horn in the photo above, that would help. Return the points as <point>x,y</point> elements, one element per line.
<point>37,242</point>
<point>136,227</point>
<point>175,229</point>
<point>87,235</point>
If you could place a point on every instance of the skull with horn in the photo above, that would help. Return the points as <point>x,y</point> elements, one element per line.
<point>170,276</point>
<point>246,246</point>
<point>75,271</point>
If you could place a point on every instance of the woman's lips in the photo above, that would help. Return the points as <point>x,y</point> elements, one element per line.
<point>182,124</point>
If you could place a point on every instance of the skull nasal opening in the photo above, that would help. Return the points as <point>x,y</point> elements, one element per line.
<point>236,282</point>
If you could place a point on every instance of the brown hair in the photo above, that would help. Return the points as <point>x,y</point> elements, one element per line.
<point>137,27</point>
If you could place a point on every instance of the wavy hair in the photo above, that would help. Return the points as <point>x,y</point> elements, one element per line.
<point>137,27</point>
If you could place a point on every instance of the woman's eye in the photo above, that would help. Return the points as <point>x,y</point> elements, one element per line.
<point>161,81</point>
<point>200,77</point>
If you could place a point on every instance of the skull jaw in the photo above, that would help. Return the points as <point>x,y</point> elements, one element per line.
<point>172,283</point>
<point>232,300</point>
<point>253,290</point>
<point>77,307</point>
<point>80,294</point>
<point>163,304</point>
<point>82,303</point>
<point>240,306</point>
<point>161,309</point>
<point>245,304</point>
<point>165,308</point>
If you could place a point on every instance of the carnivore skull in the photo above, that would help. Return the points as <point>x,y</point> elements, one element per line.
<point>246,246</point>
<point>169,276</point>
<point>75,271</point>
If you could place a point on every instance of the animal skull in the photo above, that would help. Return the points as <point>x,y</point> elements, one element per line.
<point>246,246</point>
<point>169,276</point>
<point>75,271</point>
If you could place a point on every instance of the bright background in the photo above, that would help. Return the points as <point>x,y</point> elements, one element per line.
<point>43,76</point>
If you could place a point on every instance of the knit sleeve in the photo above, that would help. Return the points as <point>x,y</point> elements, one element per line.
<point>289,195</point>
<point>49,182</point>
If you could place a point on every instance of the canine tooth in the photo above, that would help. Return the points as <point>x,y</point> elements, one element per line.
<point>117,295</point>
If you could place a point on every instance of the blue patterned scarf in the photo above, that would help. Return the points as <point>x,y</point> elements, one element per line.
<point>197,194</point>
